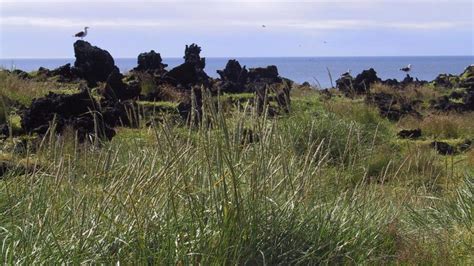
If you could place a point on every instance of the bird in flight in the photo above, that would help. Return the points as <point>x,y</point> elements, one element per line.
<point>264,26</point>
<point>82,34</point>
<point>406,69</point>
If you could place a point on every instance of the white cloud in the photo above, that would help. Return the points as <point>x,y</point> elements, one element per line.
<point>220,23</point>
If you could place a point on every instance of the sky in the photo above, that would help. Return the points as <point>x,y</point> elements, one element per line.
<point>45,29</point>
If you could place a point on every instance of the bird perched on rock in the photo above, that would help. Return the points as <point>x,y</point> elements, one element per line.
<point>82,34</point>
<point>406,69</point>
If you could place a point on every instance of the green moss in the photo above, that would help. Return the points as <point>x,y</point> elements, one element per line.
<point>166,105</point>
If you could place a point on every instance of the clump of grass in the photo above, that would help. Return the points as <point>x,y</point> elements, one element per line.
<point>444,126</point>
<point>446,226</point>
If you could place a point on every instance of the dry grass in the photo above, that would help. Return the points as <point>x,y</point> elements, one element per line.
<point>23,91</point>
<point>445,126</point>
<point>409,93</point>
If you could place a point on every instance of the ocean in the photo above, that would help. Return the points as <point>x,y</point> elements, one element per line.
<point>315,70</point>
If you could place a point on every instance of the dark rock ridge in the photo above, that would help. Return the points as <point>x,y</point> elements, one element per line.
<point>19,73</point>
<point>64,73</point>
<point>361,83</point>
<point>92,63</point>
<point>78,111</point>
<point>187,82</point>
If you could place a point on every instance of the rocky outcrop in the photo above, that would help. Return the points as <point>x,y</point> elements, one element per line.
<point>452,103</point>
<point>267,75</point>
<point>116,90</point>
<point>64,73</point>
<point>466,79</point>
<point>191,72</point>
<point>79,111</point>
<point>359,85</point>
<point>391,106</point>
<point>20,73</point>
<point>233,78</point>
<point>92,63</point>
<point>447,81</point>
<point>150,62</point>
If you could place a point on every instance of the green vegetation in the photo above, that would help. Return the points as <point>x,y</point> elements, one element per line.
<point>327,183</point>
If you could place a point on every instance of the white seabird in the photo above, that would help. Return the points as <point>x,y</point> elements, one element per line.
<point>406,69</point>
<point>82,34</point>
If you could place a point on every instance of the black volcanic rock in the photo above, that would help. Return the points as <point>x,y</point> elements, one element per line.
<point>191,72</point>
<point>150,61</point>
<point>467,78</point>
<point>267,74</point>
<point>358,85</point>
<point>65,73</point>
<point>365,79</point>
<point>78,111</point>
<point>410,133</point>
<point>233,77</point>
<point>92,63</point>
<point>21,74</point>
<point>234,72</point>
<point>465,145</point>
<point>115,89</point>
<point>443,148</point>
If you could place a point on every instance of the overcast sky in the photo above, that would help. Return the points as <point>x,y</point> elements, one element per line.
<point>44,29</point>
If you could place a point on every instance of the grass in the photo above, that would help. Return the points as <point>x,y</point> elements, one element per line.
<point>442,126</point>
<point>24,91</point>
<point>328,183</point>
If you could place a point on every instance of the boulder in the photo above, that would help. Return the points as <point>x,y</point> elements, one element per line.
<point>150,62</point>
<point>92,63</point>
<point>443,148</point>
<point>410,133</point>
<point>465,145</point>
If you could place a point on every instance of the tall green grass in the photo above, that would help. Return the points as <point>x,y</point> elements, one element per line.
<point>170,194</point>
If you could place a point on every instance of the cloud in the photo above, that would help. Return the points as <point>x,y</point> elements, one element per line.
<point>50,22</point>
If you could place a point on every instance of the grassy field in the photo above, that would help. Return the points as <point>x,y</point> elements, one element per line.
<point>328,183</point>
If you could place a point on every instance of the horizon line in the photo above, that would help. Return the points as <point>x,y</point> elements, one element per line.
<point>250,57</point>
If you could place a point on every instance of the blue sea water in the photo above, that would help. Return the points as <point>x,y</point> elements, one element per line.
<point>315,70</point>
